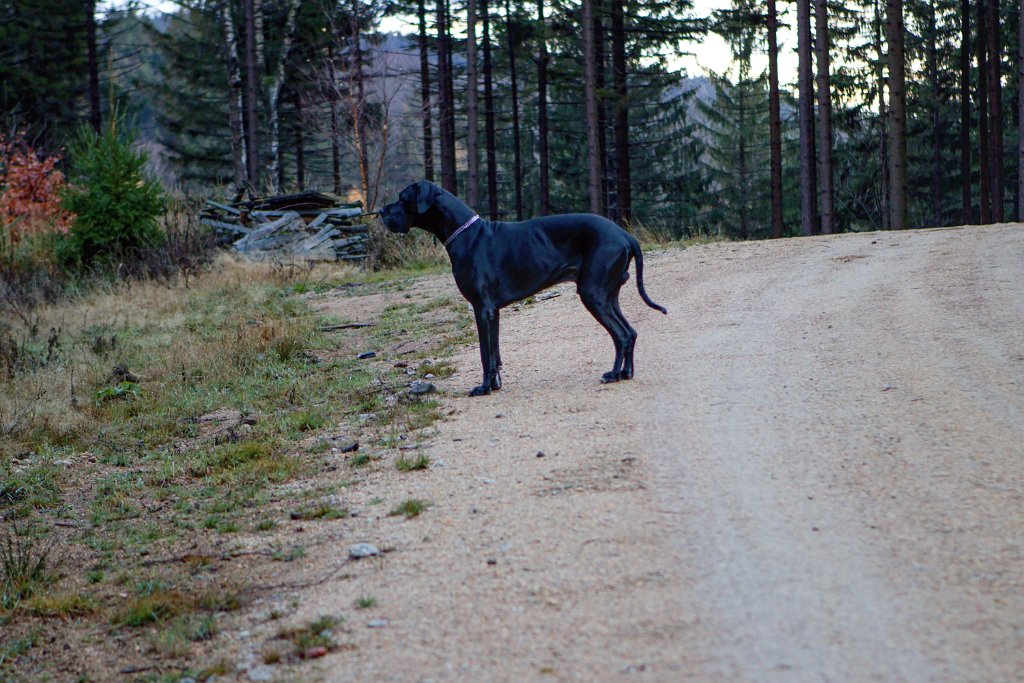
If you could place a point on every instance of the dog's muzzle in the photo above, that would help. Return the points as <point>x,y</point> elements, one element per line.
<point>394,219</point>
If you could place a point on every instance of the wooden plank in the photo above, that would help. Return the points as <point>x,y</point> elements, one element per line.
<point>224,207</point>
<point>265,230</point>
<point>318,239</point>
<point>221,225</point>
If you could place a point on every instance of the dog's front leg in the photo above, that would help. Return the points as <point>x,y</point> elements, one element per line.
<point>495,352</point>
<point>486,319</point>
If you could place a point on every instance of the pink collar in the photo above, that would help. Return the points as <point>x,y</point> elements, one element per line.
<point>458,232</point>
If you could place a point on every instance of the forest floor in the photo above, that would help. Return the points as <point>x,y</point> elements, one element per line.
<point>815,475</point>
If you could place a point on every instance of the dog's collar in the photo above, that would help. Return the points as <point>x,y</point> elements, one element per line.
<point>461,229</point>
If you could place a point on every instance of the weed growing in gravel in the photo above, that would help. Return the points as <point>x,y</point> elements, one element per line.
<point>320,511</point>
<point>365,602</point>
<point>420,462</point>
<point>410,508</point>
<point>319,633</point>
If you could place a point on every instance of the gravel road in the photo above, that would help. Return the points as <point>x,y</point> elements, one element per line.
<point>817,475</point>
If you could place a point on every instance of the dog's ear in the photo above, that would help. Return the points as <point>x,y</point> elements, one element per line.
<point>426,195</point>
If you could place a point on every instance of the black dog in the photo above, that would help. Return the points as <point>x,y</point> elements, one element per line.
<point>496,264</point>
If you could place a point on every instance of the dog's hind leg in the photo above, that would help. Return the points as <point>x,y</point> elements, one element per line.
<point>601,309</point>
<point>630,342</point>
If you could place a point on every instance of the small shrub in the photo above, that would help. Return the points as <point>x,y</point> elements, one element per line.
<point>116,206</point>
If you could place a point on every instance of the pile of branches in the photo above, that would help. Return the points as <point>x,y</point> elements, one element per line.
<point>310,225</point>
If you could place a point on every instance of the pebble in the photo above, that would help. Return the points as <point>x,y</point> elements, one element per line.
<point>260,674</point>
<point>492,561</point>
<point>540,454</point>
<point>377,623</point>
<point>314,652</point>
<point>187,679</point>
<point>350,448</point>
<point>367,354</point>
<point>419,388</point>
<point>361,550</point>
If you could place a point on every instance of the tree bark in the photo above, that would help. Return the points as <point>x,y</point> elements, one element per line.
<point>966,213</point>
<point>936,132</point>
<point>542,114</point>
<point>251,96</point>
<point>984,169</point>
<point>1020,110</point>
<point>300,145</point>
<point>517,158</point>
<point>450,84</point>
<point>93,64</point>
<point>472,153</point>
<point>428,133</point>
<point>775,120</point>
<point>357,105</point>
<point>623,181</point>
<point>444,104</point>
<point>897,116</point>
<point>590,100</point>
<point>995,109</point>
<point>235,98</point>
<point>883,119</point>
<point>332,101</point>
<point>274,93</point>
<point>808,189</point>
<point>826,193</point>
<point>490,137</point>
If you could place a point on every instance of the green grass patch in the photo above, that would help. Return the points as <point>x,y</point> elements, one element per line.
<point>409,464</point>
<point>365,602</point>
<point>409,508</point>
<point>320,511</point>
<point>319,633</point>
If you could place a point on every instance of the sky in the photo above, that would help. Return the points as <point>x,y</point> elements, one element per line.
<point>712,54</point>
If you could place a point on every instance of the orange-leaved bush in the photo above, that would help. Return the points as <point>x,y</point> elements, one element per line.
<point>30,191</point>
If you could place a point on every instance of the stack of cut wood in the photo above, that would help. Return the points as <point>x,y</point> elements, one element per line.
<point>309,225</point>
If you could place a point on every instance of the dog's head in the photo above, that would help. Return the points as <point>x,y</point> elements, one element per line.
<point>413,202</point>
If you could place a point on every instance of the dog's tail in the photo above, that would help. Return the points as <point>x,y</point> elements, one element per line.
<point>639,256</point>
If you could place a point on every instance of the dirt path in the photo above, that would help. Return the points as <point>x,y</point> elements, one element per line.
<point>815,476</point>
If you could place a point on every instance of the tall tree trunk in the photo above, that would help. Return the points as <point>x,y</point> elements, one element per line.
<point>774,120</point>
<point>883,119</point>
<point>826,193</point>
<point>450,84</point>
<point>984,169</point>
<point>1020,110</point>
<point>590,100</point>
<point>995,109</point>
<point>609,202</point>
<point>517,158</point>
<point>332,101</point>
<point>274,93</point>
<point>897,115</point>
<point>300,145</point>
<point>235,96</point>
<point>428,133</point>
<point>623,181</point>
<point>472,130</point>
<point>966,213</point>
<point>936,92</point>
<point>490,136</point>
<point>808,186</point>
<point>93,65</point>
<point>251,96</point>
<point>444,104</point>
<point>542,114</point>
<point>357,104</point>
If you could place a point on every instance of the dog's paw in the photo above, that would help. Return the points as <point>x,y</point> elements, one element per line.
<point>480,391</point>
<point>609,377</point>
